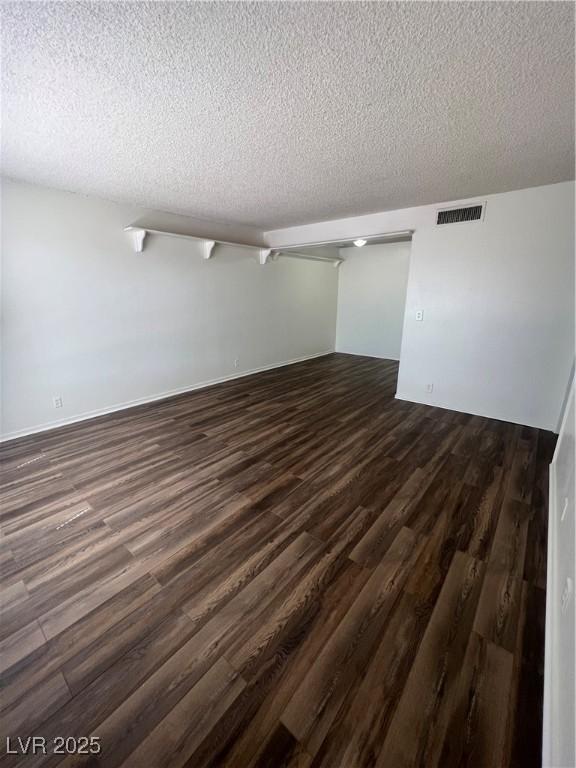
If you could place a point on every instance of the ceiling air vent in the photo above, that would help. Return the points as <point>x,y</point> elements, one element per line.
<point>456,215</point>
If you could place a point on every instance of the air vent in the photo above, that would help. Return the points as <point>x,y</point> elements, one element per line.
<point>456,215</point>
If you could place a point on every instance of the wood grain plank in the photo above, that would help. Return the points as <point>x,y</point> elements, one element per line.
<point>418,726</point>
<point>293,568</point>
<point>476,734</point>
<point>313,707</point>
<point>180,733</point>
<point>358,732</point>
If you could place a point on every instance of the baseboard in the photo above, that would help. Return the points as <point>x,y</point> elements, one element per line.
<point>362,354</point>
<point>152,398</point>
<point>443,406</point>
<point>551,623</point>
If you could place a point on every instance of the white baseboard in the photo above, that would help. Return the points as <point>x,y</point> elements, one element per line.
<point>471,412</point>
<point>550,653</point>
<point>151,398</point>
<point>364,354</point>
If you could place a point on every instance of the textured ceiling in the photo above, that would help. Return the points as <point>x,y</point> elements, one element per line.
<point>275,114</point>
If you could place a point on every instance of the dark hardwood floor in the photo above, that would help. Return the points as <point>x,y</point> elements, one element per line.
<point>289,569</point>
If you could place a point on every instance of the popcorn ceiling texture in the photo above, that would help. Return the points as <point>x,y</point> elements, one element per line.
<point>274,114</point>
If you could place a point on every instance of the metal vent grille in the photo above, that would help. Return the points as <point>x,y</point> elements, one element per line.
<point>454,215</point>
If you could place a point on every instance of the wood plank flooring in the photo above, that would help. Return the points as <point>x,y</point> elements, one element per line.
<point>289,569</point>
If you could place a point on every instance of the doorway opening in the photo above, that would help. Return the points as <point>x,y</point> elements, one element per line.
<point>372,286</point>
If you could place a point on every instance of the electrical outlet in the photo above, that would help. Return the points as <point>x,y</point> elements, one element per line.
<point>429,387</point>
<point>236,362</point>
<point>57,401</point>
<point>420,315</point>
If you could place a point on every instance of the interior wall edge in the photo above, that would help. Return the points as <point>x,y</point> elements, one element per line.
<point>558,741</point>
<point>564,406</point>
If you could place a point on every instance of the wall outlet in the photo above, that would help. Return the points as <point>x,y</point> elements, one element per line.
<point>236,362</point>
<point>57,401</point>
<point>420,315</point>
<point>429,387</point>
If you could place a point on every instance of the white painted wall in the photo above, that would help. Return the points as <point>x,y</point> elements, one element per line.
<point>371,300</point>
<point>559,748</point>
<point>86,318</point>
<point>498,299</point>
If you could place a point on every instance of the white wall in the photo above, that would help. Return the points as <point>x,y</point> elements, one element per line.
<point>371,300</point>
<point>559,748</point>
<point>498,299</point>
<point>86,318</point>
